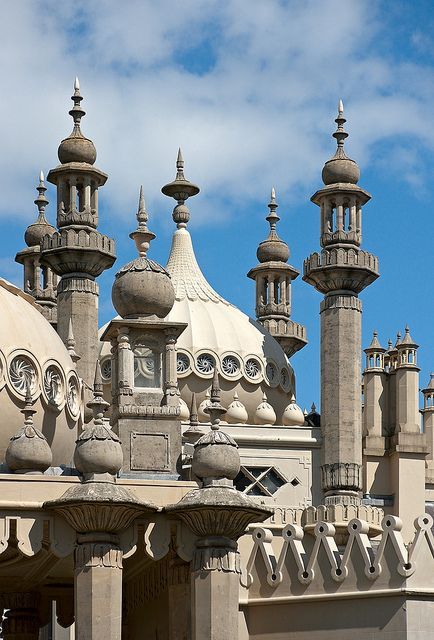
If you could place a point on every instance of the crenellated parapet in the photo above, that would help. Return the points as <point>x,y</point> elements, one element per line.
<point>350,269</point>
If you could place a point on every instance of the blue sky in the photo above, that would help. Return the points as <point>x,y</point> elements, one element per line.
<point>249,89</point>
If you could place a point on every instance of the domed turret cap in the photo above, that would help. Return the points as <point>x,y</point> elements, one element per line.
<point>142,287</point>
<point>77,148</point>
<point>293,416</point>
<point>41,227</point>
<point>340,168</point>
<point>273,249</point>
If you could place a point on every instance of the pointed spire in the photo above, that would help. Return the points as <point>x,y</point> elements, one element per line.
<point>215,410</point>
<point>70,343</point>
<point>272,217</point>
<point>41,201</point>
<point>398,339</point>
<point>374,344</point>
<point>340,134</point>
<point>313,408</point>
<point>28,411</point>
<point>77,112</point>
<point>431,382</point>
<point>98,405</point>
<point>142,236</point>
<point>194,420</point>
<point>408,340</point>
<point>180,189</point>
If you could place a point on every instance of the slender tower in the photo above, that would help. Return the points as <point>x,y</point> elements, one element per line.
<point>273,276</point>
<point>340,272</point>
<point>39,280</point>
<point>77,252</point>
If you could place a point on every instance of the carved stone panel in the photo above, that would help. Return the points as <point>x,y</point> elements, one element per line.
<point>149,451</point>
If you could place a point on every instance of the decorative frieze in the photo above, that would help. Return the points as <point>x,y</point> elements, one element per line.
<point>339,301</point>
<point>80,285</point>
<point>97,554</point>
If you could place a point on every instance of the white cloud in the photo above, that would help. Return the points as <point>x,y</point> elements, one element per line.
<point>257,114</point>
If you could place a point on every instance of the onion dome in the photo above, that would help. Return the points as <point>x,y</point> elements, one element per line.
<point>184,415</point>
<point>273,249</point>
<point>36,231</point>
<point>142,287</point>
<point>98,449</point>
<point>265,413</point>
<point>28,450</point>
<point>340,168</point>
<point>77,148</point>
<point>202,414</point>
<point>293,416</point>
<point>216,456</point>
<point>236,413</point>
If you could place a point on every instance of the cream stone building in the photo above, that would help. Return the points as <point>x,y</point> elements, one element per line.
<point>158,479</point>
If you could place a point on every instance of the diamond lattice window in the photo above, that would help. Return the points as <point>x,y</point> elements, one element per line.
<point>259,481</point>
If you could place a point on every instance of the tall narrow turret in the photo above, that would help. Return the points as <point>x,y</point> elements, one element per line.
<point>77,252</point>
<point>39,280</point>
<point>273,277</point>
<point>340,272</point>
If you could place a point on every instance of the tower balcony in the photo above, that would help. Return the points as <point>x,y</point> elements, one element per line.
<point>340,268</point>
<point>289,334</point>
<point>83,251</point>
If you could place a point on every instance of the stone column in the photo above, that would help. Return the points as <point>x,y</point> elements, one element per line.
<point>21,621</point>
<point>341,413</point>
<point>77,300</point>
<point>98,588</point>
<point>171,378</point>
<point>215,586</point>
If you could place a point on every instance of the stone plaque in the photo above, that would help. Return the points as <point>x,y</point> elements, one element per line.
<point>149,451</point>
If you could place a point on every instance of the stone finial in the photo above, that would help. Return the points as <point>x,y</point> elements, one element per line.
<point>40,228</point>
<point>142,287</point>
<point>214,409</point>
<point>313,408</point>
<point>398,339</point>
<point>76,147</point>
<point>374,346</point>
<point>216,460</point>
<point>142,236</point>
<point>194,419</point>
<point>203,416</point>
<point>340,168</point>
<point>70,343</point>
<point>430,385</point>
<point>180,189</point>
<point>28,450</point>
<point>98,451</point>
<point>273,249</point>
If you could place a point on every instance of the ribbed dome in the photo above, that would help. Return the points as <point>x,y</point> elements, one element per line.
<point>31,349</point>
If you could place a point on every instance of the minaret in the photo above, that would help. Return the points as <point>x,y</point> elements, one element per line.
<point>273,278</point>
<point>375,395</point>
<point>340,272</point>
<point>407,386</point>
<point>39,280</point>
<point>77,252</point>
<point>428,427</point>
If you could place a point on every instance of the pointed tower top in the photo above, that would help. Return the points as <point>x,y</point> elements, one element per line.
<point>215,410</point>
<point>375,344</point>
<point>40,228</point>
<point>142,236</point>
<point>273,249</point>
<point>407,340</point>
<point>180,189</point>
<point>70,343</point>
<point>76,147</point>
<point>431,382</point>
<point>340,168</point>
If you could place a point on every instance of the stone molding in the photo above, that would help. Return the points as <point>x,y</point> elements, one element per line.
<point>340,301</point>
<point>97,554</point>
<point>345,476</point>
<point>82,285</point>
<point>216,559</point>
